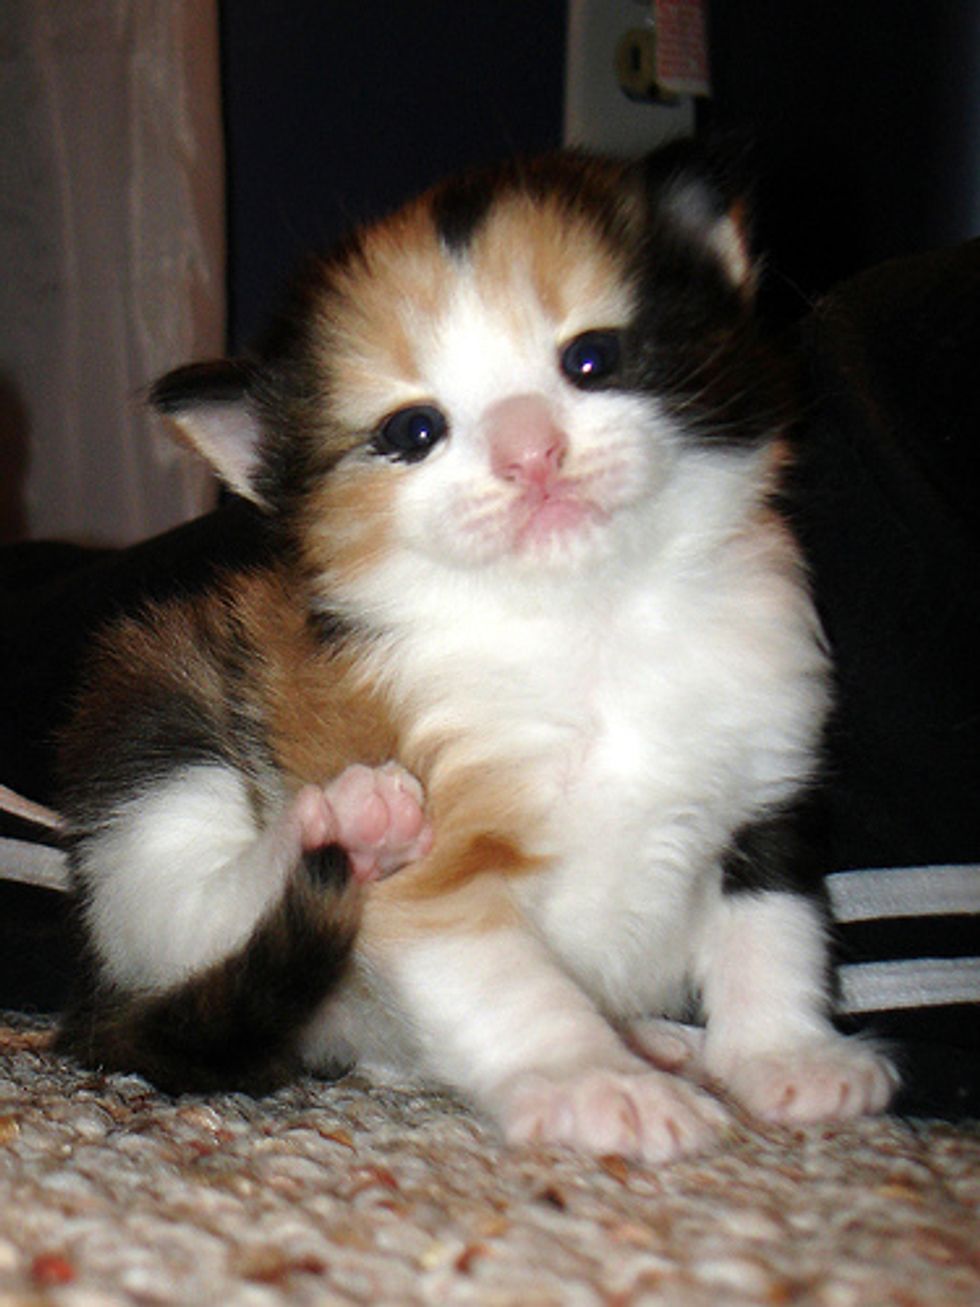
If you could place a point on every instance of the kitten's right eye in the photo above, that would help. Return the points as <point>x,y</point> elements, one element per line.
<point>410,434</point>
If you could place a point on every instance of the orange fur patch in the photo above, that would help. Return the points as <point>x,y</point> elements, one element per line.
<point>347,520</point>
<point>560,258</point>
<point>324,712</point>
<point>481,819</point>
<point>477,906</point>
<point>311,702</point>
<point>377,319</point>
<point>320,710</point>
<point>321,713</point>
<point>397,285</point>
<point>457,861</point>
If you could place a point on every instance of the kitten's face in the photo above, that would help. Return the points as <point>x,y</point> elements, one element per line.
<point>505,374</point>
<point>481,391</point>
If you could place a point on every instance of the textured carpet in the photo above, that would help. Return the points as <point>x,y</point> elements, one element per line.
<point>113,1194</point>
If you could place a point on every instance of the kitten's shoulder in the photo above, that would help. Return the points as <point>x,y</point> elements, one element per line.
<point>177,682</point>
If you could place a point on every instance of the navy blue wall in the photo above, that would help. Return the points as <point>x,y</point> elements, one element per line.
<point>865,117</point>
<point>336,110</point>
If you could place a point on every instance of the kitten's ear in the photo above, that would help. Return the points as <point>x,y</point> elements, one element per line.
<point>211,406</point>
<point>704,193</point>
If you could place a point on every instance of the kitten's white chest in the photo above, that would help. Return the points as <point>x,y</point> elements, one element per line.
<point>641,721</point>
<point>684,719</point>
<point>642,804</point>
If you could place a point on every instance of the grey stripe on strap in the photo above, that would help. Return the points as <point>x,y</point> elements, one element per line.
<point>921,982</point>
<point>33,864</point>
<point>904,892</point>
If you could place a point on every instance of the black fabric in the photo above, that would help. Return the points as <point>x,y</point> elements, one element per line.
<point>885,499</point>
<point>887,504</point>
<point>54,597</point>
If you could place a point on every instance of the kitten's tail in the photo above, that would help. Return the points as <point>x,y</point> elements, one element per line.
<point>234,1026</point>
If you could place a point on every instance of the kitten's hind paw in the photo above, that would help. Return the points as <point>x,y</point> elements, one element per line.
<point>647,1115</point>
<point>831,1079</point>
<point>669,1045</point>
<point>374,813</point>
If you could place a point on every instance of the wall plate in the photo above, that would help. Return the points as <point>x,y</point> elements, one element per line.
<point>599,113</point>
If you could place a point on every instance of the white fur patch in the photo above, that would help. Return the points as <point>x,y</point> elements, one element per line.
<point>179,877</point>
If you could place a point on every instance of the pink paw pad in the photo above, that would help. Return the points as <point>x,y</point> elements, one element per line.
<point>649,1116</point>
<point>833,1080</point>
<point>374,813</point>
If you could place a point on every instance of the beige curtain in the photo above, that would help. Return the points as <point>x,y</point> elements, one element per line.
<point>111,258</point>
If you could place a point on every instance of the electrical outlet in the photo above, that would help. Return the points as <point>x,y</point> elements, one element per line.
<point>600,114</point>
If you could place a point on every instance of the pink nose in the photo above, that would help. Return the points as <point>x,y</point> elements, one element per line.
<point>526,444</point>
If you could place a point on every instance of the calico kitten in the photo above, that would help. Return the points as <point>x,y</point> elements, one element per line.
<point>536,640</point>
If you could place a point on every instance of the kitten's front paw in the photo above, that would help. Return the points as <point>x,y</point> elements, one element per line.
<point>830,1079</point>
<point>374,813</point>
<point>647,1115</point>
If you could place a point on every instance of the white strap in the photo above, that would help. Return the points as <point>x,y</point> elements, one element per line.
<point>874,894</point>
<point>920,982</point>
<point>11,801</point>
<point>33,864</point>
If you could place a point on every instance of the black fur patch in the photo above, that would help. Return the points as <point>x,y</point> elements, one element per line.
<point>141,740</point>
<point>459,207</point>
<point>224,381</point>
<point>329,628</point>
<point>701,180</point>
<point>777,852</point>
<point>242,737</point>
<point>235,1025</point>
<point>696,344</point>
<point>696,340</point>
<point>328,868</point>
<point>139,723</point>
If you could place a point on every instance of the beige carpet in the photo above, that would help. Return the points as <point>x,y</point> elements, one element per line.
<point>112,1194</point>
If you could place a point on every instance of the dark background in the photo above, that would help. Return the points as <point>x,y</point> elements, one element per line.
<point>336,111</point>
<point>864,116</point>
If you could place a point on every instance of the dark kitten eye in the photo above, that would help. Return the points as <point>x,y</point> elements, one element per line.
<point>409,434</point>
<point>591,358</point>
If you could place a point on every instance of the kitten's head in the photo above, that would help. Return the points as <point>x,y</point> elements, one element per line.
<point>505,374</point>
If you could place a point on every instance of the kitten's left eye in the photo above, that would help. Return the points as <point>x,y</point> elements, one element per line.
<point>591,359</point>
<point>409,434</point>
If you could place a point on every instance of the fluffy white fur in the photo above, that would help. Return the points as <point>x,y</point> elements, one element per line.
<point>179,876</point>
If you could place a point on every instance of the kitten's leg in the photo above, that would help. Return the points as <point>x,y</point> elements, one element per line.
<point>769,1037</point>
<point>502,1024</point>
<point>178,877</point>
<point>214,943</point>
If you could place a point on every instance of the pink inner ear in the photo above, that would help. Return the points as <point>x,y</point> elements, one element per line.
<point>729,241</point>
<point>727,237</point>
<point>227,436</point>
